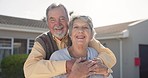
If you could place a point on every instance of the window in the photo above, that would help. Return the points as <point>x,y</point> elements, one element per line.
<point>30,45</point>
<point>31,42</point>
<point>104,44</point>
<point>4,53</point>
<point>5,47</point>
<point>4,42</point>
<point>20,46</point>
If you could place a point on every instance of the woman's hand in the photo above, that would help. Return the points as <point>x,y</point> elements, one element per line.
<point>81,68</point>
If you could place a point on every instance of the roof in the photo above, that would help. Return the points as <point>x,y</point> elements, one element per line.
<point>115,28</point>
<point>113,31</point>
<point>22,22</point>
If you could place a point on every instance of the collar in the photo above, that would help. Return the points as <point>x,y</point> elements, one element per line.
<point>63,39</point>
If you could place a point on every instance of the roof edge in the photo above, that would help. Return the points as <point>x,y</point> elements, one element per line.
<point>123,34</point>
<point>23,29</point>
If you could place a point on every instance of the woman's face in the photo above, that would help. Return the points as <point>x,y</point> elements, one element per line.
<point>81,32</point>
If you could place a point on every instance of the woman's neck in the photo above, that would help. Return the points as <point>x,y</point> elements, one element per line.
<point>78,51</point>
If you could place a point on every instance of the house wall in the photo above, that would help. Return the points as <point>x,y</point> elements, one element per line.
<point>113,44</point>
<point>16,34</point>
<point>129,70</point>
<point>128,58</point>
<point>138,34</point>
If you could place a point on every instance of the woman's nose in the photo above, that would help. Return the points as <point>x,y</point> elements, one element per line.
<point>80,29</point>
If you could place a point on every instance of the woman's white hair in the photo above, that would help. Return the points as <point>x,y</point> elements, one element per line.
<point>87,19</point>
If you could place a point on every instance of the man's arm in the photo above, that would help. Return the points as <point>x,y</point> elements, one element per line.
<point>105,54</point>
<point>36,67</point>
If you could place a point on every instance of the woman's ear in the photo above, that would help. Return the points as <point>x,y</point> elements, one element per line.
<point>70,36</point>
<point>91,37</point>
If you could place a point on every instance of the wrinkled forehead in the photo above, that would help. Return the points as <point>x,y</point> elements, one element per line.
<point>80,21</point>
<point>57,12</point>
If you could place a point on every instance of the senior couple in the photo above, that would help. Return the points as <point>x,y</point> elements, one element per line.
<point>62,54</point>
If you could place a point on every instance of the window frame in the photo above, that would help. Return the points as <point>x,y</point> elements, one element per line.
<point>11,47</point>
<point>28,44</point>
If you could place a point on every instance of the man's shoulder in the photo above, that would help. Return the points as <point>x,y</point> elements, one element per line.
<point>44,38</point>
<point>44,34</point>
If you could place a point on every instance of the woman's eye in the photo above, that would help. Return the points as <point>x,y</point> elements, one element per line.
<point>85,27</point>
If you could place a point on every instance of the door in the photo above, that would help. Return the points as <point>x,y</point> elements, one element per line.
<point>143,53</point>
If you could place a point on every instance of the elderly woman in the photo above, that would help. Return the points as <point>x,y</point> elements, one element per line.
<point>81,32</point>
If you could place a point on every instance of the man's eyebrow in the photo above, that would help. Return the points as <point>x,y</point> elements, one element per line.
<point>62,17</point>
<point>51,18</point>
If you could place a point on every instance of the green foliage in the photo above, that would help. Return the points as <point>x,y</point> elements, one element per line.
<point>12,66</point>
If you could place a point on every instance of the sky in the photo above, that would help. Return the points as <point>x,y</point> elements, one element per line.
<point>102,12</point>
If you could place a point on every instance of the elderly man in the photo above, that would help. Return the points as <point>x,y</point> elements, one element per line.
<point>37,64</point>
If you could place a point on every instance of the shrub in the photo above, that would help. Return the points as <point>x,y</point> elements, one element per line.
<point>12,66</point>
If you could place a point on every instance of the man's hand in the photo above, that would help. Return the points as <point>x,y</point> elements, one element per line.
<point>99,67</point>
<point>81,68</point>
<point>69,64</point>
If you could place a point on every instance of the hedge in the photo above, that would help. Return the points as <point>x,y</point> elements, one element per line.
<point>12,66</point>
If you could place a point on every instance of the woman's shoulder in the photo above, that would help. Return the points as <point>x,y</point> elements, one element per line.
<point>92,53</point>
<point>59,54</point>
<point>91,49</point>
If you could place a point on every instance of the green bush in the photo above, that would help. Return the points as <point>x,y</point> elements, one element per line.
<point>12,66</point>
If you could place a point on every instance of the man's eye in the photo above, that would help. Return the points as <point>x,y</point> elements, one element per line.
<point>75,27</point>
<point>62,19</point>
<point>52,20</point>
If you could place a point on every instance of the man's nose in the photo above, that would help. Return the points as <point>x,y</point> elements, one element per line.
<point>58,22</point>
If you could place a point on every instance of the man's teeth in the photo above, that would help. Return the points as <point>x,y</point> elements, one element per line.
<point>58,28</point>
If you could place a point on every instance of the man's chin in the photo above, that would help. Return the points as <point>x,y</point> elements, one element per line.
<point>59,36</point>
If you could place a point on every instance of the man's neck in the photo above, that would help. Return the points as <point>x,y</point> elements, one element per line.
<point>60,39</point>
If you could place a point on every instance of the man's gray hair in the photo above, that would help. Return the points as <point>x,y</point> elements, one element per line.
<point>53,6</point>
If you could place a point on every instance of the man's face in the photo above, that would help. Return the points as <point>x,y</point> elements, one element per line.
<point>58,22</point>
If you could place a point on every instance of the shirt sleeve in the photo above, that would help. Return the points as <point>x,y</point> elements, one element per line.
<point>105,54</point>
<point>36,67</point>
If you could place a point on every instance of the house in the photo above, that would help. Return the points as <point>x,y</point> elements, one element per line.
<point>17,34</point>
<point>129,42</point>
